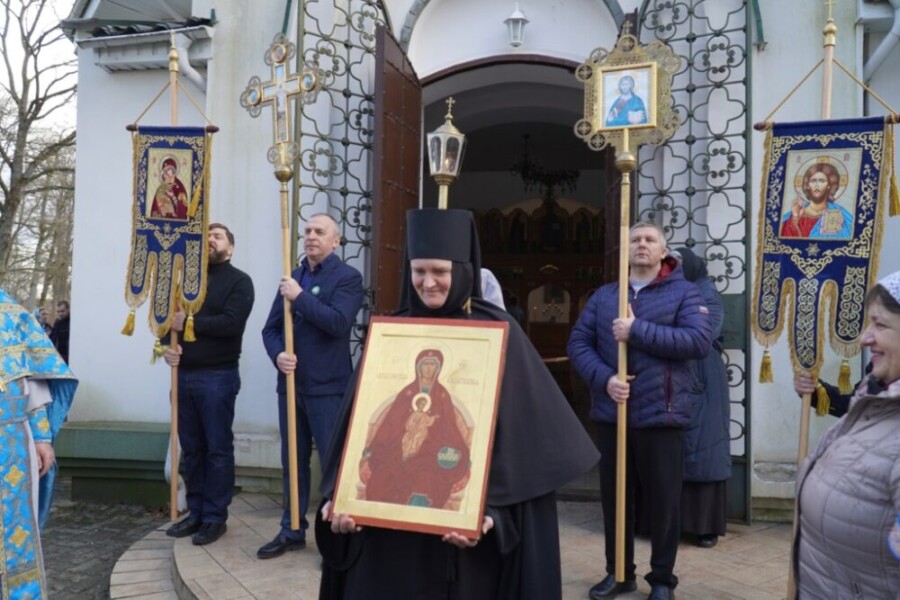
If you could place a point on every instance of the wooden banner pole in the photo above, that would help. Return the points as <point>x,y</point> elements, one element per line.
<point>830,34</point>
<point>284,175</point>
<point>625,163</point>
<point>173,335</point>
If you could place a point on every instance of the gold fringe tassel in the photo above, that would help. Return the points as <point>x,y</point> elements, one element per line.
<point>823,402</point>
<point>844,378</point>
<point>895,194</point>
<point>158,350</point>
<point>129,323</point>
<point>765,369</point>
<point>189,329</point>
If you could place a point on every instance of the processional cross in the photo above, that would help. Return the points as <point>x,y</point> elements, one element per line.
<point>278,92</point>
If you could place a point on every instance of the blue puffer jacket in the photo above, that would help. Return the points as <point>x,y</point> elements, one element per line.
<point>671,328</point>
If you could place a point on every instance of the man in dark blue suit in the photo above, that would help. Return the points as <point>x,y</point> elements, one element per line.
<point>325,296</point>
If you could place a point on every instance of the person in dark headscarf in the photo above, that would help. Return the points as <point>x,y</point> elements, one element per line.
<point>707,443</point>
<point>539,445</point>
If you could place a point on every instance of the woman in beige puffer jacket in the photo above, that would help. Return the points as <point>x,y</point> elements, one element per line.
<point>849,488</point>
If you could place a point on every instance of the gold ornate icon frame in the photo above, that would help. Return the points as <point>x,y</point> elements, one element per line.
<point>394,461</point>
<point>658,63</point>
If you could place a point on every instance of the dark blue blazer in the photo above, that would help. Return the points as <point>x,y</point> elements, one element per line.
<point>323,319</point>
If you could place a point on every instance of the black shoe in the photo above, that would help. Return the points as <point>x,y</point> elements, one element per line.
<point>661,592</point>
<point>183,528</point>
<point>279,546</point>
<point>608,588</point>
<point>209,532</point>
<point>707,541</point>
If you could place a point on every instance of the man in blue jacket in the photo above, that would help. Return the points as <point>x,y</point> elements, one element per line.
<point>667,327</point>
<point>325,295</point>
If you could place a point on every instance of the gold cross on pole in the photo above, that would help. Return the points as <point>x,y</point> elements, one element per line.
<point>277,92</point>
<point>828,5</point>
<point>626,27</point>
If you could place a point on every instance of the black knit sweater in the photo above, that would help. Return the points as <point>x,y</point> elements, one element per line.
<point>219,326</point>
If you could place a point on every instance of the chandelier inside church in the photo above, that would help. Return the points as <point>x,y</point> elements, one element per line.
<point>538,177</point>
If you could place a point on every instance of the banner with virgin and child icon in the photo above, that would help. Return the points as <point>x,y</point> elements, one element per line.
<point>418,448</point>
<point>169,223</point>
<point>824,190</point>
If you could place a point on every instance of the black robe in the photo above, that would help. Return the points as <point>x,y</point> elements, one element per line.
<point>539,445</point>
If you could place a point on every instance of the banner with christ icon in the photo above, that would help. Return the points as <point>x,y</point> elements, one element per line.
<point>169,223</point>
<point>419,445</point>
<point>823,195</point>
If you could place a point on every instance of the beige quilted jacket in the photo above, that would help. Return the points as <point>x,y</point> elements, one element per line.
<point>849,498</point>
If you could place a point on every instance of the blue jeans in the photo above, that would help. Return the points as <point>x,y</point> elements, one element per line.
<point>205,417</point>
<point>316,420</point>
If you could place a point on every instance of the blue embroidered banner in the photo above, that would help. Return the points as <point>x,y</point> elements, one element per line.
<point>170,218</point>
<point>822,202</point>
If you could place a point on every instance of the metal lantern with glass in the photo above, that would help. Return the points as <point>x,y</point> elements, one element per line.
<point>446,146</point>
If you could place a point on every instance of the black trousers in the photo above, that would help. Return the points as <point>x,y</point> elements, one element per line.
<point>655,457</point>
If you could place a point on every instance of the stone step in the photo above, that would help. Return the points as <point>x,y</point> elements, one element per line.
<point>144,571</point>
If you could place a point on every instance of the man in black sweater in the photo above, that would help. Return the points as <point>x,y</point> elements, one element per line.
<point>208,383</point>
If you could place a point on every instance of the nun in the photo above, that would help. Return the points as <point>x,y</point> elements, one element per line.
<point>539,446</point>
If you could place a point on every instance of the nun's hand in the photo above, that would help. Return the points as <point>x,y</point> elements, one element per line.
<point>463,542</point>
<point>341,523</point>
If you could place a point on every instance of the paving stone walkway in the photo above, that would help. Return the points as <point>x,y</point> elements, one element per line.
<point>83,541</point>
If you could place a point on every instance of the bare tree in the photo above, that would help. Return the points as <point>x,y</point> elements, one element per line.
<point>39,80</point>
<point>39,265</point>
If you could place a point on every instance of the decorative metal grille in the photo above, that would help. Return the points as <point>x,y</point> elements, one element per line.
<point>696,184</point>
<point>335,133</point>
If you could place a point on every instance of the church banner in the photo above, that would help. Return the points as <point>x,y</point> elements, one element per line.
<point>169,223</point>
<point>824,189</point>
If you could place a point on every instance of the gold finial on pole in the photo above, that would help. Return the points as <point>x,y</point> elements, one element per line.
<point>830,34</point>
<point>173,79</point>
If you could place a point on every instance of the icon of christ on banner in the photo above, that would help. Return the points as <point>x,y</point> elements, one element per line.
<point>815,210</point>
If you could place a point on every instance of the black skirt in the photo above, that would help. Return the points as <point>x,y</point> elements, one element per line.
<point>703,507</point>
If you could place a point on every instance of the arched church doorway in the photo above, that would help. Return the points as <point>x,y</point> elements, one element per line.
<point>538,192</point>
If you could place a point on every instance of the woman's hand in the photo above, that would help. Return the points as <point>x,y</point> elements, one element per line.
<point>463,542</point>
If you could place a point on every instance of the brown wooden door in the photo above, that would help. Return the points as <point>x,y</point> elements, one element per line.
<point>397,167</point>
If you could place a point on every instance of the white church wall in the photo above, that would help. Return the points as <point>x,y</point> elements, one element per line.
<point>886,83</point>
<point>791,30</point>
<point>449,33</point>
